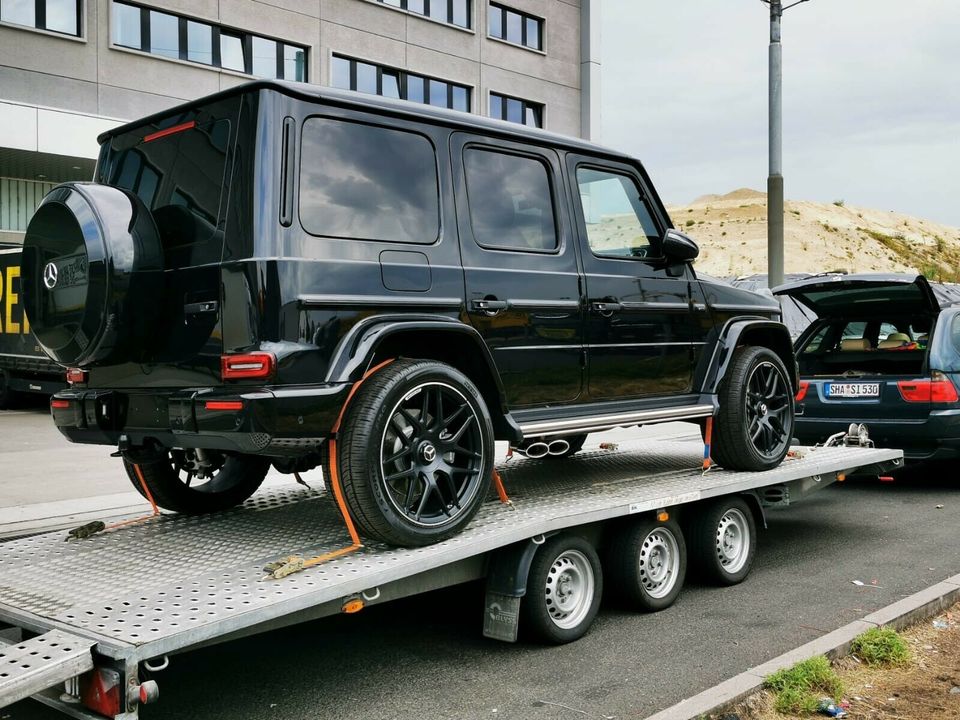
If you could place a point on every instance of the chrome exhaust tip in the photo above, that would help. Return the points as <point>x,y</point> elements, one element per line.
<point>558,447</point>
<point>534,450</point>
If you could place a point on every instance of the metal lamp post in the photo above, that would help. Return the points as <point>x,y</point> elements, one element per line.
<point>775,178</point>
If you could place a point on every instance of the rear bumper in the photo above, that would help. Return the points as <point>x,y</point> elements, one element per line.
<point>274,421</point>
<point>935,437</point>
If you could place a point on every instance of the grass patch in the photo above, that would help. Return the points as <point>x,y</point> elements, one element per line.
<point>690,223</point>
<point>839,203</point>
<point>881,646</point>
<point>800,688</point>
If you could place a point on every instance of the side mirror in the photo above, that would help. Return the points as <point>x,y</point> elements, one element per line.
<point>679,247</point>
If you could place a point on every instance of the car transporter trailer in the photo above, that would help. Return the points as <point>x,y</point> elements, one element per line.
<point>80,619</point>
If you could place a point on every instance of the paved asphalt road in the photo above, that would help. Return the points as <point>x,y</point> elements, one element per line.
<point>424,658</point>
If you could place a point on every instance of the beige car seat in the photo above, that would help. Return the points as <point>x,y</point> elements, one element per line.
<point>894,340</point>
<point>853,344</point>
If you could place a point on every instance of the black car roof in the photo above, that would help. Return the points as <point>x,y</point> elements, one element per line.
<point>365,101</point>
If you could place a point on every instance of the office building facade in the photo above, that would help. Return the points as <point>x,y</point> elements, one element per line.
<point>70,69</point>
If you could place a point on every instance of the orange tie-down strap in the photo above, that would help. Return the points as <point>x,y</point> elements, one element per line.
<point>98,526</point>
<point>294,563</point>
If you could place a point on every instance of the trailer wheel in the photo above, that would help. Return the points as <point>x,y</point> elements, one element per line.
<point>563,590</point>
<point>647,562</point>
<point>754,423</point>
<point>723,537</point>
<point>415,455</point>
<point>180,481</point>
<point>8,397</point>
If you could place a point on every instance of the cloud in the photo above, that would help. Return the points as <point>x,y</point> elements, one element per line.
<point>871,101</point>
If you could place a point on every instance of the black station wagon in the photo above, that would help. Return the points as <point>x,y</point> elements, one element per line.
<point>884,350</point>
<point>241,263</point>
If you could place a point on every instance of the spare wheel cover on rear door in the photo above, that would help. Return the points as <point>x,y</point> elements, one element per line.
<point>92,274</point>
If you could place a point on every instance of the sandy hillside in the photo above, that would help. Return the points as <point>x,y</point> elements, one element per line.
<point>732,232</point>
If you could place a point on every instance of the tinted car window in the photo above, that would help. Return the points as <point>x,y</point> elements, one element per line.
<point>511,204</point>
<point>617,219</point>
<point>368,183</point>
<point>180,178</point>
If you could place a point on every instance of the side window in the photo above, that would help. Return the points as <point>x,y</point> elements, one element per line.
<point>955,331</point>
<point>368,183</point>
<point>510,198</point>
<point>886,330</point>
<point>815,343</point>
<point>619,224</point>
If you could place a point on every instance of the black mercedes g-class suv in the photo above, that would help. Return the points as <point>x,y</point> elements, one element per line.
<point>241,262</point>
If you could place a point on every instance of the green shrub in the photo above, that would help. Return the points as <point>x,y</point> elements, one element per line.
<point>881,646</point>
<point>798,689</point>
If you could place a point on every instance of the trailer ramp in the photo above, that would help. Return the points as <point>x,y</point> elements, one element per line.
<point>33,665</point>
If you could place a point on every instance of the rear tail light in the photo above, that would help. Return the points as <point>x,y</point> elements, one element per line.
<point>938,389</point>
<point>247,365</point>
<point>802,392</point>
<point>57,404</point>
<point>76,375</point>
<point>223,405</point>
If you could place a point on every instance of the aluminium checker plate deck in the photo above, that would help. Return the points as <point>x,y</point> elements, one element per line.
<point>177,581</point>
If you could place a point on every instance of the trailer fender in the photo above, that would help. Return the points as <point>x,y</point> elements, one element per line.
<point>507,574</point>
<point>750,331</point>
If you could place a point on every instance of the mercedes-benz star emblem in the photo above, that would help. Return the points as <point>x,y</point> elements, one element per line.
<point>50,276</point>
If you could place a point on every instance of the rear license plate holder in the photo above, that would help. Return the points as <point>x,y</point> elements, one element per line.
<point>851,391</point>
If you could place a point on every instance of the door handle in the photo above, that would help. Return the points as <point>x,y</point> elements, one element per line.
<point>490,306</point>
<point>606,307</point>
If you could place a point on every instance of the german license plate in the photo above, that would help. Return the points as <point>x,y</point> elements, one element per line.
<point>853,390</point>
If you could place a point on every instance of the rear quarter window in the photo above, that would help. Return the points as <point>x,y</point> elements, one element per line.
<point>366,182</point>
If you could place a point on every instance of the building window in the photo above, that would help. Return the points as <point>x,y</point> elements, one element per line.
<point>516,110</point>
<point>515,27</point>
<point>365,77</point>
<point>182,38</point>
<point>62,16</point>
<point>365,182</point>
<point>18,201</point>
<point>452,12</point>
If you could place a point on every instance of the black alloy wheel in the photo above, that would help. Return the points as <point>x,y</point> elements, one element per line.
<point>431,459</point>
<point>416,453</point>
<point>196,481</point>
<point>754,424</point>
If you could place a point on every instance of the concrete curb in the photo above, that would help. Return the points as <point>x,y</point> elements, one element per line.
<point>908,611</point>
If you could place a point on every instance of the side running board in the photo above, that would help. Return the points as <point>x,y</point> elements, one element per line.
<point>595,423</point>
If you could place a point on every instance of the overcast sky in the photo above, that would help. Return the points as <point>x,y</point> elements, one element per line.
<point>871,99</point>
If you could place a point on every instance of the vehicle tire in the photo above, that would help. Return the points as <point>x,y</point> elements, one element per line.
<point>415,453</point>
<point>754,424</point>
<point>564,587</point>
<point>646,563</point>
<point>226,481</point>
<point>8,396</point>
<point>576,445</point>
<point>723,541</point>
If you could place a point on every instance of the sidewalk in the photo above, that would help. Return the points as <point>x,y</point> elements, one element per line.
<point>910,610</point>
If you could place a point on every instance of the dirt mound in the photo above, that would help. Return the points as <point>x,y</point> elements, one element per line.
<point>732,232</point>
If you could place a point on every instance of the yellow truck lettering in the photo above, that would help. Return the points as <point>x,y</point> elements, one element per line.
<point>11,299</point>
